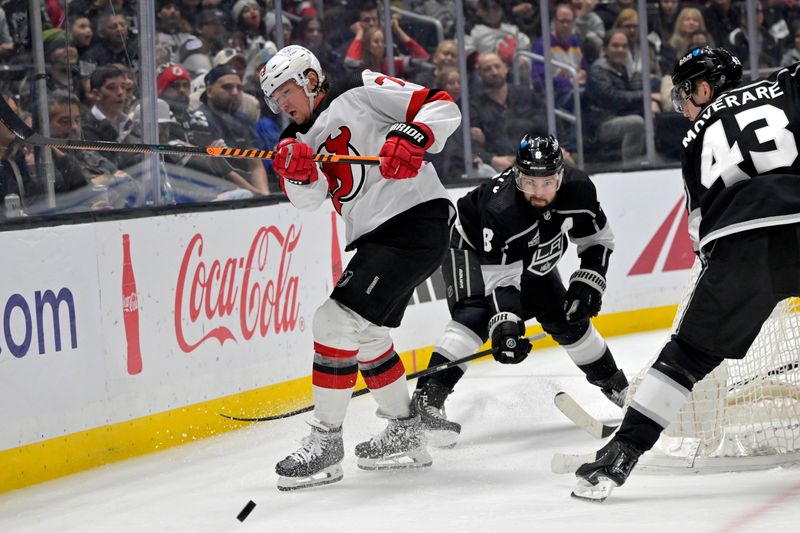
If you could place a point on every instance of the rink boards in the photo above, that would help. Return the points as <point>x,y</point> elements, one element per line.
<point>225,301</point>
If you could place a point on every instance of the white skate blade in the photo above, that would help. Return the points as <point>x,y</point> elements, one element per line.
<point>326,476</point>
<point>441,438</point>
<point>418,458</point>
<point>593,493</point>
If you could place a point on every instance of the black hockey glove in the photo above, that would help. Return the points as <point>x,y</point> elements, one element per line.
<point>584,296</point>
<point>507,332</point>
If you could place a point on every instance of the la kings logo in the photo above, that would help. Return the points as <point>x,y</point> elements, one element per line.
<point>345,181</point>
<point>547,255</point>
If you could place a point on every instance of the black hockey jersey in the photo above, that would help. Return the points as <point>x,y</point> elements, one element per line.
<point>514,239</point>
<point>740,159</point>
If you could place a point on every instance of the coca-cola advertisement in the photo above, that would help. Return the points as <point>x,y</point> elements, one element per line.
<point>130,310</point>
<point>222,298</point>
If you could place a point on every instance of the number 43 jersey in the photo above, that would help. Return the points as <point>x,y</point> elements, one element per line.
<point>740,159</point>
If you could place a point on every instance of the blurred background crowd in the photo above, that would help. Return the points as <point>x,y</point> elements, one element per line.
<point>75,72</point>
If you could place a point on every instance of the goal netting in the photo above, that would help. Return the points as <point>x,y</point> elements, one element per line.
<point>746,414</point>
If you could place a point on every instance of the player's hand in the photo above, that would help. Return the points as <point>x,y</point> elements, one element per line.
<point>401,154</point>
<point>584,296</point>
<point>293,162</point>
<point>507,332</point>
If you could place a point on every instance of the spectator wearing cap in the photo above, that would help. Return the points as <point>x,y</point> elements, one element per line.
<point>220,104</point>
<point>250,105</point>
<point>270,23</point>
<point>190,127</point>
<point>61,67</point>
<point>61,61</point>
<point>174,87</point>
<point>246,15</point>
<point>194,55</point>
<point>211,29</point>
<point>114,43</point>
<point>168,23</point>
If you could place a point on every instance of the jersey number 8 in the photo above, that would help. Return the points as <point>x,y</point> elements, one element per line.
<point>719,159</point>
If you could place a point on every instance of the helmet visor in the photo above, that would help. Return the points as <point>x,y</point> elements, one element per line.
<point>537,184</point>
<point>680,94</point>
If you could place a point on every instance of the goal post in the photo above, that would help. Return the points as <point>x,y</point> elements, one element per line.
<point>745,415</point>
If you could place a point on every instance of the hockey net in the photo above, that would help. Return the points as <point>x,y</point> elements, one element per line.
<point>745,415</point>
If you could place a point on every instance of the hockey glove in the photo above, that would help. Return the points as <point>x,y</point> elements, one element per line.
<point>584,296</point>
<point>507,332</point>
<point>293,162</point>
<point>401,154</point>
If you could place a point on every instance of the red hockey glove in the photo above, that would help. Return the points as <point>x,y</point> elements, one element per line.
<point>401,154</point>
<point>293,162</point>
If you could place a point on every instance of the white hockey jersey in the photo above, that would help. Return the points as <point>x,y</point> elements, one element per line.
<point>356,123</point>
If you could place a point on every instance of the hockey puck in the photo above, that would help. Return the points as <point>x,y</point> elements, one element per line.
<point>246,511</point>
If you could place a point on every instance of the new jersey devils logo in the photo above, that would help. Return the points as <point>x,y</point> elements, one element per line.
<point>345,181</point>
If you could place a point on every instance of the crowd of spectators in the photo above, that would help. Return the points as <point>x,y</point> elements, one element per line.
<point>209,53</point>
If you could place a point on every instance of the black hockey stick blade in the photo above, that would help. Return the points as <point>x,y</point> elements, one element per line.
<point>422,373</point>
<point>26,134</point>
<point>578,415</point>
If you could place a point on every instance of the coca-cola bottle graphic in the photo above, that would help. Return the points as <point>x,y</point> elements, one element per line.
<point>336,251</point>
<point>130,309</point>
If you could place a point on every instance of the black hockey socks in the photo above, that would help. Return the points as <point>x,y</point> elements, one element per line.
<point>601,369</point>
<point>448,377</point>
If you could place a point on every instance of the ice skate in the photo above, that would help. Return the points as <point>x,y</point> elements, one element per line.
<point>317,462</point>
<point>428,402</point>
<point>614,387</point>
<point>612,466</point>
<point>400,445</point>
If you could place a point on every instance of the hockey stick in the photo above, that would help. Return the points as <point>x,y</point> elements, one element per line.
<point>578,415</point>
<point>422,373</point>
<point>567,405</point>
<point>26,134</point>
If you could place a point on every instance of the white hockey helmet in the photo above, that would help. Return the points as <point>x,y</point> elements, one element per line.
<point>290,63</point>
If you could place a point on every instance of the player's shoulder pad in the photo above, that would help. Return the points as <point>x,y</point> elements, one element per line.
<point>377,80</point>
<point>576,185</point>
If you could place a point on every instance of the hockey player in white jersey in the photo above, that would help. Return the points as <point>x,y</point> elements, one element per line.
<point>741,172</point>
<point>502,270</point>
<point>397,218</point>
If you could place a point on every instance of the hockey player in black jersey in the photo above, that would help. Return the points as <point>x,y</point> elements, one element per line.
<point>742,178</point>
<point>510,235</point>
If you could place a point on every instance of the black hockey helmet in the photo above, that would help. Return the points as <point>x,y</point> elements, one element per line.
<point>720,68</point>
<point>539,156</point>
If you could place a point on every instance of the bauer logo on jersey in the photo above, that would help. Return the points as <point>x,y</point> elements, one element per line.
<point>547,256</point>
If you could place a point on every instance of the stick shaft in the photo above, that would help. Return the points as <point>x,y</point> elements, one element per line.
<point>422,373</point>
<point>26,134</point>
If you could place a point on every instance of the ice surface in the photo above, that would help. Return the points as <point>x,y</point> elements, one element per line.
<point>496,479</point>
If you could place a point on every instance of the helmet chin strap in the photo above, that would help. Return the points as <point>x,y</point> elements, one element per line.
<point>311,95</point>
